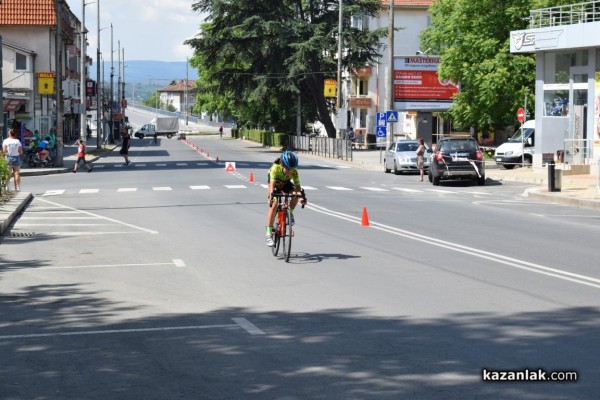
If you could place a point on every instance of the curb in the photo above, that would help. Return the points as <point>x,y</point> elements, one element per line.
<point>568,201</point>
<point>10,210</point>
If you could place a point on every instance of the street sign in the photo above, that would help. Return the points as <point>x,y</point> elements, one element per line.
<point>521,115</point>
<point>391,116</point>
<point>381,119</point>
<point>381,132</point>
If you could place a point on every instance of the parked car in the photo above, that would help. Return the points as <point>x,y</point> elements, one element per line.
<point>402,157</point>
<point>457,158</point>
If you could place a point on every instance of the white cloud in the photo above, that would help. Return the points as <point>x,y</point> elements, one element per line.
<point>146,29</point>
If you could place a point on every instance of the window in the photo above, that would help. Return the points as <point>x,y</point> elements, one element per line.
<point>20,62</point>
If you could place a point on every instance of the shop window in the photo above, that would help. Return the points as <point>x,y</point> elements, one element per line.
<point>556,103</point>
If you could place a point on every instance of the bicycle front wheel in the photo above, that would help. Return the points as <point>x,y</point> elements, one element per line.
<point>276,237</point>
<point>287,238</point>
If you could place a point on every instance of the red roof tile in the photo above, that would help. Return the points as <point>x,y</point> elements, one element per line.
<point>179,87</point>
<point>27,12</point>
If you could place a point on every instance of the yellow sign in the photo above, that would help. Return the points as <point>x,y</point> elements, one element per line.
<point>46,82</point>
<point>330,88</point>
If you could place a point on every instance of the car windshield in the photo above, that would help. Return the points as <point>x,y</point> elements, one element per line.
<point>459,145</point>
<point>517,136</point>
<point>411,146</point>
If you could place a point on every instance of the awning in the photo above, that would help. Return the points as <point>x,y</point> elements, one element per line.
<point>12,104</point>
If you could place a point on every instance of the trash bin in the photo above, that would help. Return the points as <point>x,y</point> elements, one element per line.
<point>554,178</point>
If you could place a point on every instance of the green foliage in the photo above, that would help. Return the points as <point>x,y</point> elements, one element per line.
<point>473,39</point>
<point>4,173</point>
<point>256,58</point>
<point>266,138</point>
<point>154,101</point>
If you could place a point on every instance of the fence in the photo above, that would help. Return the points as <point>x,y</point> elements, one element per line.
<point>577,151</point>
<point>322,146</point>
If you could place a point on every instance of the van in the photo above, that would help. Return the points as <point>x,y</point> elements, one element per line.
<point>518,148</point>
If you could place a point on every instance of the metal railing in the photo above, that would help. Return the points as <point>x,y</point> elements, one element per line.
<point>569,14</point>
<point>578,151</point>
<point>322,146</point>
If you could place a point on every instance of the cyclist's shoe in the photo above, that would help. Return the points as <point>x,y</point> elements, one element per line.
<point>292,219</point>
<point>270,241</point>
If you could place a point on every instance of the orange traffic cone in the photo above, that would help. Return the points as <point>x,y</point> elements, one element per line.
<point>365,218</point>
<point>251,179</point>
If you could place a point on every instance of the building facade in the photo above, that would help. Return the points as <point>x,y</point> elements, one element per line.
<point>566,44</point>
<point>41,67</point>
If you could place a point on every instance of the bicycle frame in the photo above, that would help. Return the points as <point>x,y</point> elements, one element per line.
<point>283,231</point>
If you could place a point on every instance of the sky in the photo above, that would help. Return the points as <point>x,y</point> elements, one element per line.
<point>147,29</point>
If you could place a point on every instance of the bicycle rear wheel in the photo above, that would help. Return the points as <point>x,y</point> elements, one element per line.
<point>287,238</point>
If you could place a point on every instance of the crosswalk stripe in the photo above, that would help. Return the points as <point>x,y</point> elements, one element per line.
<point>235,186</point>
<point>374,189</point>
<point>84,191</point>
<point>53,192</point>
<point>338,188</point>
<point>408,190</point>
<point>158,188</point>
<point>200,187</point>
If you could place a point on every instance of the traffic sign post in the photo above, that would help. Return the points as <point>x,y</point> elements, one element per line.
<point>521,119</point>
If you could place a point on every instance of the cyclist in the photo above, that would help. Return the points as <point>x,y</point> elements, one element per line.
<point>281,174</point>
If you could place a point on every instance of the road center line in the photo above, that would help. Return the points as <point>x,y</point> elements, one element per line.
<point>471,251</point>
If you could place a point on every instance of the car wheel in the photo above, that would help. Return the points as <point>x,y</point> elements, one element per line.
<point>396,172</point>
<point>385,168</point>
<point>429,176</point>
<point>509,166</point>
<point>481,180</point>
<point>436,181</point>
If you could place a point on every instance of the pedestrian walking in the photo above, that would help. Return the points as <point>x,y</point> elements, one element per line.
<point>81,157</point>
<point>421,158</point>
<point>13,150</point>
<point>125,147</point>
<point>221,131</point>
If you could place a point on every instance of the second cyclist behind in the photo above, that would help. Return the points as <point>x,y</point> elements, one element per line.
<point>283,176</point>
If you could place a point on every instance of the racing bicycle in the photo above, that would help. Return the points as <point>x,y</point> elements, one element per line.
<point>282,229</point>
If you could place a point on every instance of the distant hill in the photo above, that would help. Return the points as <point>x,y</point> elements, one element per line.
<point>147,76</point>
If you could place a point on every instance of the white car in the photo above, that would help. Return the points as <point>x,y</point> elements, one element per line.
<point>402,157</point>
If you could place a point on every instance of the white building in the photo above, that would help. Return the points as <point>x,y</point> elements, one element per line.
<point>566,43</point>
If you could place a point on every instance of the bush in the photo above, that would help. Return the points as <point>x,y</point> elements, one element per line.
<point>4,174</point>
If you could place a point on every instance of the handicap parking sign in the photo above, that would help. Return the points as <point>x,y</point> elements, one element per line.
<point>381,131</point>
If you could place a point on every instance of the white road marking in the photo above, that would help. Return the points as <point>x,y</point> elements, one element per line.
<point>159,188</point>
<point>374,189</point>
<point>200,187</point>
<point>161,165</point>
<point>470,251</point>
<point>182,164</point>
<point>235,186</point>
<point>440,191</point>
<point>127,190</point>
<point>202,163</point>
<point>408,190</point>
<point>309,188</point>
<point>141,165</point>
<point>338,188</point>
<point>53,192</point>
<point>248,326</point>
<point>101,217</point>
<point>178,262</point>
<point>85,191</point>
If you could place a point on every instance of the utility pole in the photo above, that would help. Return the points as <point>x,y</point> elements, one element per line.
<point>98,102</point>
<point>82,83</point>
<point>58,85</point>
<point>185,102</point>
<point>338,102</point>
<point>112,77</point>
<point>390,105</point>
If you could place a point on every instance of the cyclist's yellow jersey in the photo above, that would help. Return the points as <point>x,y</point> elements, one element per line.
<point>280,178</point>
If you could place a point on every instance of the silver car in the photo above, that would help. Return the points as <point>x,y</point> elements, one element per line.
<point>402,157</point>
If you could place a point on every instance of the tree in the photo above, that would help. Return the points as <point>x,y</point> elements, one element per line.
<point>258,56</point>
<point>473,40</point>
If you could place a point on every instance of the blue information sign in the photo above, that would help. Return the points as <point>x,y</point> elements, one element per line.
<point>381,131</point>
<point>381,119</point>
<point>391,116</point>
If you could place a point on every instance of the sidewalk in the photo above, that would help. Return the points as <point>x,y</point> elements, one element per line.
<point>576,190</point>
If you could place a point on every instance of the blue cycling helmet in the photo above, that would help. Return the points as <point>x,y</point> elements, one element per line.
<point>289,159</point>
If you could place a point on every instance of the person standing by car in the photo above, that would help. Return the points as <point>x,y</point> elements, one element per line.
<point>125,146</point>
<point>421,158</point>
<point>13,150</point>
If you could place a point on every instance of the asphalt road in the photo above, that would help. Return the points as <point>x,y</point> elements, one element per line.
<point>153,281</point>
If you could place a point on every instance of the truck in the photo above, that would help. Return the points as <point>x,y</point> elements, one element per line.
<point>159,126</point>
<point>518,148</point>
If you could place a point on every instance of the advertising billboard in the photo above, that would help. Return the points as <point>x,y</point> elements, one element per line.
<point>417,86</point>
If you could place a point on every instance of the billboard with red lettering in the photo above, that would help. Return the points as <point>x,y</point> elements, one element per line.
<point>418,87</point>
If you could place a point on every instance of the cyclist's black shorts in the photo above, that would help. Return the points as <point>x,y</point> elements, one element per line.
<point>287,188</point>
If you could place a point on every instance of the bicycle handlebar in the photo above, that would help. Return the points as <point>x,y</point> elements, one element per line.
<point>280,194</point>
